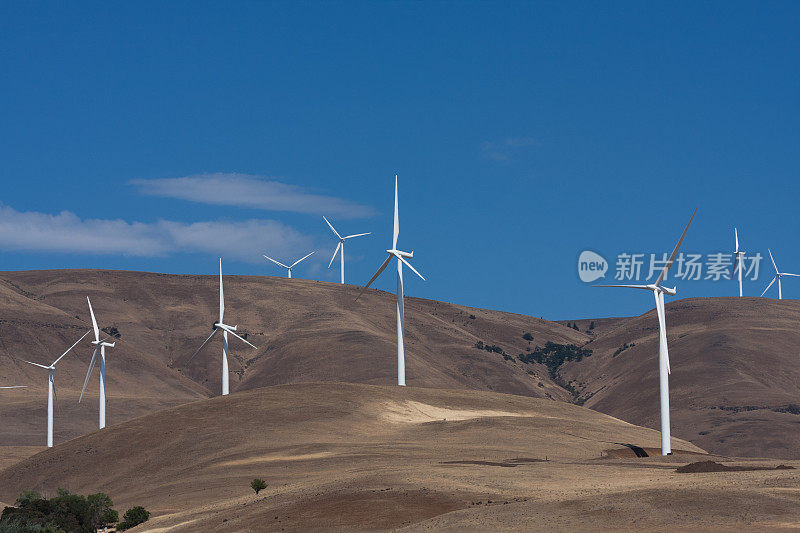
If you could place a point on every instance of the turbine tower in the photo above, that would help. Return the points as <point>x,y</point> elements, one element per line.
<point>739,254</point>
<point>778,275</point>
<point>401,260</point>
<point>220,325</point>
<point>340,246</point>
<point>663,351</point>
<point>51,389</point>
<point>102,345</point>
<point>288,268</point>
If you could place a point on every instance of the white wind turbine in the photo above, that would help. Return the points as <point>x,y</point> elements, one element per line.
<point>401,260</point>
<point>340,246</point>
<point>101,345</point>
<point>663,351</point>
<point>739,254</point>
<point>225,330</point>
<point>51,389</point>
<point>289,268</point>
<point>778,275</point>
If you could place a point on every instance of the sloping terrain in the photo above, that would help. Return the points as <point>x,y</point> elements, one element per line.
<point>304,330</point>
<point>355,457</point>
<point>735,382</point>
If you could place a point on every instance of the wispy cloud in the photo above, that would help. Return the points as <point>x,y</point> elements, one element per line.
<point>67,233</point>
<point>505,149</point>
<point>255,192</point>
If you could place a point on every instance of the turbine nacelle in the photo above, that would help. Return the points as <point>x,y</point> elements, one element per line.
<point>666,290</point>
<point>225,327</point>
<point>399,253</point>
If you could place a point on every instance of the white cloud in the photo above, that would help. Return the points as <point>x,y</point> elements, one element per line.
<point>67,233</point>
<point>503,150</point>
<point>255,192</point>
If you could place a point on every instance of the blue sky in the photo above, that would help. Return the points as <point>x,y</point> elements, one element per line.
<point>158,136</point>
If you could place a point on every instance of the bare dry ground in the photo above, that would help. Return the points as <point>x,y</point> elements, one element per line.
<point>362,457</point>
<point>735,382</point>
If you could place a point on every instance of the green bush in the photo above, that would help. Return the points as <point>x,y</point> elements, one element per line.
<point>133,517</point>
<point>258,485</point>
<point>528,337</point>
<point>65,512</point>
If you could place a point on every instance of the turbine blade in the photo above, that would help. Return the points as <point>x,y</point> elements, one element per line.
<point>70,348</point>
<point>276,262</point>
<point>357,235</point>
<point>302,259</point>
<point>37,364</point>
<point>773,260</point>
<point>14,387</point>
<point>663,333</point>
<point>770,285</point>
<point>55,396</point>
<point>378,273</point>
<point>645,287</point>
<point>94,322</point>
<point>203,345</point>
<point>88,372</point>
<point>243,339</point>
<point>221,293</point>
<point>406,263</point>
<point>787,274</point>
<point>332,228</point>
<point>396,217</point>
<point>736,236</point>
<point>336,251</point>
<point>675,251</point>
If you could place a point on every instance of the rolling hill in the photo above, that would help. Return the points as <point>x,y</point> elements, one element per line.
<point>735,385</point>
<point>339,456</point>
<point>305,331</point>
<point>735,382</point>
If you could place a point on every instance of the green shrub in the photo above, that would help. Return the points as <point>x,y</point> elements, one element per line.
<point>65,512</point>
<point>133,517</point>
<point>528,337</point>
<point>258,485</point>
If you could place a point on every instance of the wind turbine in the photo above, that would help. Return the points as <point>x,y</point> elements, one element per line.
<point>289,268</point>
<point>739,254</point>
<point>225,330</point>
<point>51,389</point>
<point>663,351</point>
<point>401,260</point>
<point>340,246</point>
<point>102,345</point>
<point>778,276</point>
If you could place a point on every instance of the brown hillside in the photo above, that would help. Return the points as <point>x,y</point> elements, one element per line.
<point>361,457</point>
<point>735,374</point>
<point>305,331</point>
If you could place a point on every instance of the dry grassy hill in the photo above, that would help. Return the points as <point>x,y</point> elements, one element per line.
<point>735,385</point>
<point>355,457</point>
<point>735,382</point>
<point>305,331</point>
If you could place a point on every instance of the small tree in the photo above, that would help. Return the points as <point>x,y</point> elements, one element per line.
<point>528,337</point>
<point>133,517</point>
<point>258,485</point>
<point>591,325</point>
<point>101,510</point>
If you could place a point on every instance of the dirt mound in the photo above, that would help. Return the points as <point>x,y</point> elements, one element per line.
<point>713,466</point>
